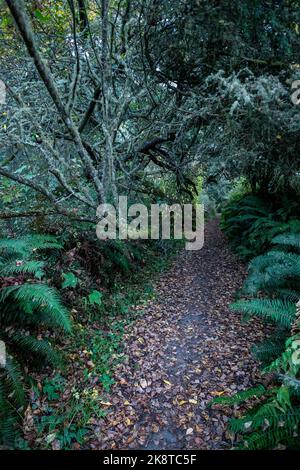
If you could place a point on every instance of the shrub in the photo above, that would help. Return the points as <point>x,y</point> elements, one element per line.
<point>29,308</point>
<point>250,223</point>
<point>272,292</point>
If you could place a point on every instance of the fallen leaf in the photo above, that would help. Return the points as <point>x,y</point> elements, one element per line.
<point>182,402</point>
<point>218,394</point>
<point>167,382</point>
<point>143,383</point>
<point>155,428</point>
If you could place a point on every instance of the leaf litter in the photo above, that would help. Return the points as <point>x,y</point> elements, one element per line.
<point>186,349</point>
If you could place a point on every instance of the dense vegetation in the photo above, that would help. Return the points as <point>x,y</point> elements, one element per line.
<point>271,291</point>
<point>164,102</point>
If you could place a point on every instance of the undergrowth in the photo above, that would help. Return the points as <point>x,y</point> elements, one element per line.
<point>271,292</point>
<point>66,404</point>
<point>30,313</point>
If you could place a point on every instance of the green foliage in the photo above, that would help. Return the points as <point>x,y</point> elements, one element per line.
<point>271,348</point>
<point>290,240</point>
<point>70,280</point>
<point>272,290</point>
<point>12,400</point>
<point>251,223</point>
<point>44,19</point>
<point>95,297</point>
<point>276,310</point>
<point>240,396</point>
<point>28,310</point>
<point>52,388</point>
<point>28,245</point>
<point>218,104</point>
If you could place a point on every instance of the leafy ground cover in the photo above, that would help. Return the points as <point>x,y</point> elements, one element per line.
<point>183,348</point>
<point>65,404</point>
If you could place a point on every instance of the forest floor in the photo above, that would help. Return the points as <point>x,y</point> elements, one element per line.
<point>187,348</point>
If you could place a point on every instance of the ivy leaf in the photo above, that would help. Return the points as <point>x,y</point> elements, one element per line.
<point>39,15</point>
<point>95,297</point>
<point>70,280</point>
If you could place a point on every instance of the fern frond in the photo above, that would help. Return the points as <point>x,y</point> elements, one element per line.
<point>29,244</point>
<point>291,240</point>
<point>39,348</point>
<point>287,294</point>
<point>267,439</point>
<point>14,381</point>
<point>271,271</point>
<point>275,310</point>
<point>240,396</point>
<point>291,382</point>
<point>279,257</point>
<point>24,308</point>
<point>22,267</point>
<point>268,350</point>
<point>12,400</point>
<point>8,418</point>
<point>268,417</point>
<point>39,297</point>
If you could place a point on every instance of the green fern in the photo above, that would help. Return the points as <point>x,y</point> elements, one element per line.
<point>10,268</point>
<point>26,309</point>
<point>274,270</point>
<point>40,298</point>
<point>239,397</point>
<point>273,283</point>
<point>251,223</point>
<point>269,350</point>
<point>276,310</point>
<point>291,240</point>
<point>267,439</point>
<point>268,416</point>
<point>12,401</point>
<point>41,349</point>
<point>29,244</point>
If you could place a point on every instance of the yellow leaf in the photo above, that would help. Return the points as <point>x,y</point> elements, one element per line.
<point>194,402</point>
<point>127,421</point>
<point>126,403</point>
<point>218,394</point>
<point>106,403</point>
<point>182,402</point>
<point>167,382</point>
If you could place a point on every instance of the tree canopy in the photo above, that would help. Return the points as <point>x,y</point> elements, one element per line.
<point>104,95</point>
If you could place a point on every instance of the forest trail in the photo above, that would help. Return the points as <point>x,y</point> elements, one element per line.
<point>187,348</point>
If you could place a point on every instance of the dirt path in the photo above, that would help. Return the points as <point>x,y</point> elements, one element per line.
<point>187,348</point>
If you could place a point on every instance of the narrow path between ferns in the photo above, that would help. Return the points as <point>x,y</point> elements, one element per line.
<point>187,348</point>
